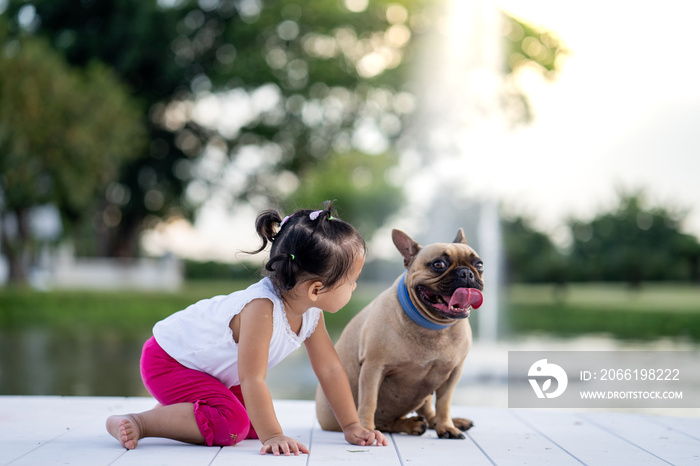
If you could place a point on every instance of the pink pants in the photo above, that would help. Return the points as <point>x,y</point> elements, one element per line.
<point>219,411</point>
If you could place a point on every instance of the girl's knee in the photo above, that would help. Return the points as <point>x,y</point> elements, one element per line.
<point>221,426</point>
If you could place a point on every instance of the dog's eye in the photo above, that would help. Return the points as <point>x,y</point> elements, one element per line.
<point>479,266</point>
<point>439,265</point>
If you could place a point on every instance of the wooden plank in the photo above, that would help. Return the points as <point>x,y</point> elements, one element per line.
<point>83,438</point>
<point>29,423</point>
<point>296,419</point>
<point>165,452</point>
<point>14,409</point>
<point>429,449</point>
<point>688,426</point>
<point>660,441</point>
<point>508,441</point>
<point>331,448</point>
<point>88,444</point>
<point>584,440</point>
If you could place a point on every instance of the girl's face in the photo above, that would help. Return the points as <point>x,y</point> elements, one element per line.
<point>335,299</point>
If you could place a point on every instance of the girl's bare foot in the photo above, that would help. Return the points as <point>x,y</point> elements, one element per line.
<point>125,429</point>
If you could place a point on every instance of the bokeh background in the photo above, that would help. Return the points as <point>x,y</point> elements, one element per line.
<point>138,140</point>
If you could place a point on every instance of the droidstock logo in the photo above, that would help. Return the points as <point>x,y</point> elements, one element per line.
<point>543,372</point>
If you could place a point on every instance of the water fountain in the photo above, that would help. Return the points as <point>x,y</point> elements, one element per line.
<point>459,121</point>
<point>490,249</point>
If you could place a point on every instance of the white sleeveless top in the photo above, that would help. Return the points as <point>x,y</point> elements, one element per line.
<point>199,337</point>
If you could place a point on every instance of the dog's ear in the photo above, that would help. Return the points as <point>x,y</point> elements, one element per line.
<point>460,238</point>
<point>406,246</point>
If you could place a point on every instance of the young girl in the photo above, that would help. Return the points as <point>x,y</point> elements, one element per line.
<point>206,365</point>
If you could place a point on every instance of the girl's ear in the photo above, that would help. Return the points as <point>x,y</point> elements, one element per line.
<point>314,290</point>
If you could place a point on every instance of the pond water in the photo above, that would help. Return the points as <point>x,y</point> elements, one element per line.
<point>42,361</point>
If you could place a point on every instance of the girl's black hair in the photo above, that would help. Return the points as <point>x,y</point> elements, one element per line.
<point>308,245</point>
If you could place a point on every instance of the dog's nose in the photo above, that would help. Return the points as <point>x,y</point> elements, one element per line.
<point>465,273</point>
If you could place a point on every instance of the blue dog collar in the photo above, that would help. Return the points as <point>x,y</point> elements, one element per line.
<point>410,309</point>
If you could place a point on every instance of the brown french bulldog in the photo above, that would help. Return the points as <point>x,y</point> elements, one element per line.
<point>411,342</point>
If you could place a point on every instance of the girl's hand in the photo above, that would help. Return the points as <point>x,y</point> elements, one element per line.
<point>280,444</point>
<point>358,435</point>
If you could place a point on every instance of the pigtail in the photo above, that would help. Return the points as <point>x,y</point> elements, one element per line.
<point>266,225</point>
<point>285,267</point>
<point>323,216</point>
<point>328,210</point>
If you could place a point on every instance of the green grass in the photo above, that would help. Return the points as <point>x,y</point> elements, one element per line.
<point>650,312</point>
<point>124,311</point>
<point>121,310</point>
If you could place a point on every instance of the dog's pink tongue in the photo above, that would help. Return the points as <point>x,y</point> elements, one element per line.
<point>465,297</point>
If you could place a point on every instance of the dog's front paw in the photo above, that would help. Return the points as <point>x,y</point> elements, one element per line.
<point>414,425</point>
<point>449,432</point>
<point>462,424</point>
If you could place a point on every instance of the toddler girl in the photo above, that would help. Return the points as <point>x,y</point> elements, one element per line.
<point>206,365</point>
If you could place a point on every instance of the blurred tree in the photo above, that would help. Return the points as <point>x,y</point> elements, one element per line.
<point>300,76</point>
<point>531,257</point>
<point>633,243</point>
<point>305,79</point>
<point>358,181</point>
<point>527,48</point>
<point>63,136</point>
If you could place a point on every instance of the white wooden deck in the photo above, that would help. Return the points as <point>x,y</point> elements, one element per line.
<point>41,431</point>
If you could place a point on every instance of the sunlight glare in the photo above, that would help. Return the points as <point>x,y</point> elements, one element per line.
<point>356,6</point>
